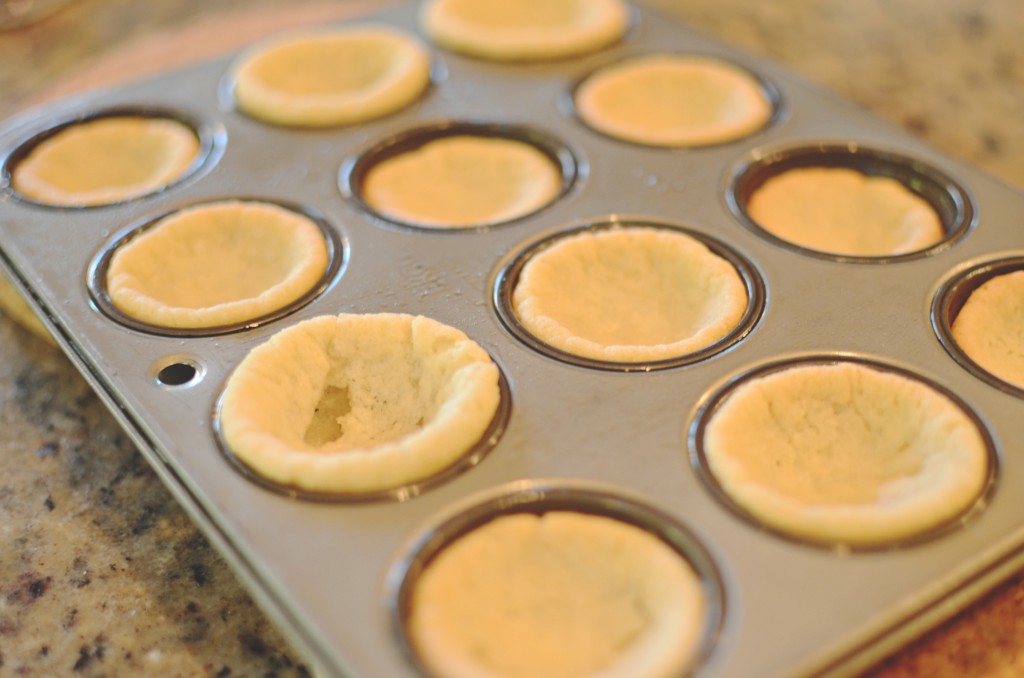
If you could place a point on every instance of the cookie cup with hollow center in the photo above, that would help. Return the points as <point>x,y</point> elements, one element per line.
<point>559,594</point>
<point>524,30</point>
<point>839,210</point>
<point>356,404</point>
<point>846,453</point>
<point>628,295</point>
<point>462,181</point>
<point>989,328</point>
<point>673,100</point>
<point>332,78</point>
<point>106,160</point>
<point>216,265</point>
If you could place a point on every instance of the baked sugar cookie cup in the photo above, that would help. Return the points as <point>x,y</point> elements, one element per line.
<point>361,406</point>
<point>457,175</point>
<point>524,30</point>
<point>849,202</point>
<point>674,100</point>
<point>628,294</point>
<point>331,78</point>
<point>215,267</point>
<point>843,452</point>
<point>978,316</point>
<point>108,157</point>
<point>556,578</point>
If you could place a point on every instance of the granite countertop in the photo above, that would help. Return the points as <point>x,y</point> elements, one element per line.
<point>103,574</point>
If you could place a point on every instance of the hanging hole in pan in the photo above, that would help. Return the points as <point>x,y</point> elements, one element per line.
<point>985,339</point>
<point>850,203</point>
<point>314,254</point>
<point>645,323</point>
<point>458,176</point>
<point>843,452</point>
<point>178,147</point>
<point>588,517</point>
<point>178,371</point>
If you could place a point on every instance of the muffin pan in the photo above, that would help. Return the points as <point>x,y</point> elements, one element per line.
<point>332,574</point>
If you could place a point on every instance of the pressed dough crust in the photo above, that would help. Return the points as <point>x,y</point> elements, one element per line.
<point>524,30</point>
<point>673,100</point>
<point>359,403</point>
<point>845,453</point>
<point>463,181</point>
<point>105,161</point>
<point>842,211</point>
<point>560,595</point>
<point>990,327</point>
<point>217,264</point>
<point>629,295</point>
<point>332,78</point>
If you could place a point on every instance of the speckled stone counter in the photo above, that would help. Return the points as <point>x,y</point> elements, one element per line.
<point>102,574</point>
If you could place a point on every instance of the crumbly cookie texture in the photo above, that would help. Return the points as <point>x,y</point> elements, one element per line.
<point>333,78</point>
<point>359,403</point>
<point>106,160</point>
<point>673,100</point>
<point>217,264</point>
<point>562,594</point>
<point>524,30</point>
<point>846,453</point>
<point>629,295</point>
<point>463,181</point>
<point>990,327</point>
<point>842,211</point>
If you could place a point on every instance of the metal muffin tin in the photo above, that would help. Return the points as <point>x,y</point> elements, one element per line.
<point>601,440</point>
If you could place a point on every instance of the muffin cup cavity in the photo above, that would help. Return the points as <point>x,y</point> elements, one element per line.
<point>509,274</point>
<point>404,492</point>
<point>811,533</point>
<point>210,140</point>
<point>764,105</point>
<point>950,298</point>
<point>948,199</point>
<point>567,169</point>
<point>97,278</point>
<point>537,498</point>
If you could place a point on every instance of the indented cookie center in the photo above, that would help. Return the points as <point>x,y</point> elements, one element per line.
<point>509,15</point>
<point>325,426</point>
<point>856,440</point>
<point>360,403</point>
<point>311,68</point>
